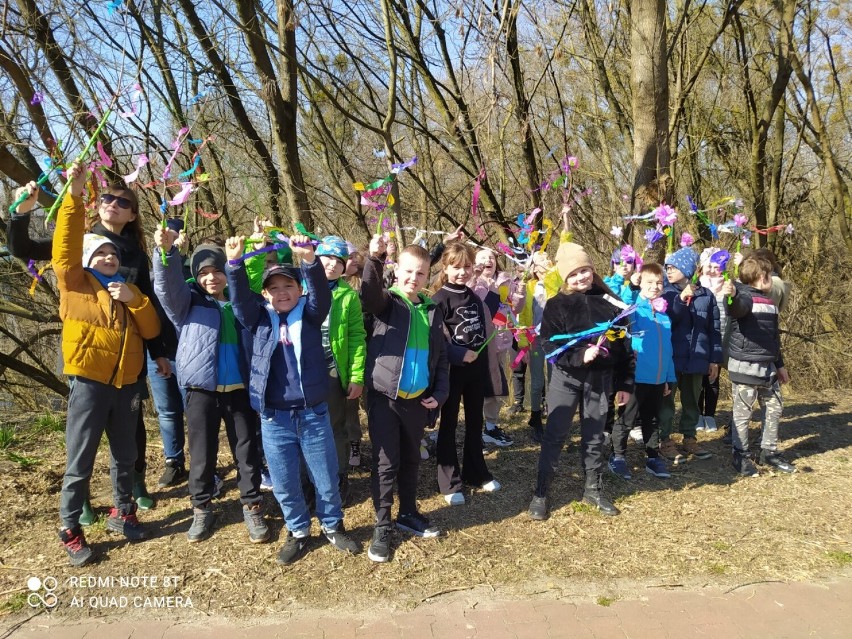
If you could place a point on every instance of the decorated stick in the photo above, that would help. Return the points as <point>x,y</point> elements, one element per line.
<point>23,196</point>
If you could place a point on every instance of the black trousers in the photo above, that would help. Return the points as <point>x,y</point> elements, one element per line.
<point>709,397</point>
<point>204,412</point>
<point>566,393</point>
<point>645,402</point>
<point>466,383</point>
<point>395,427</point>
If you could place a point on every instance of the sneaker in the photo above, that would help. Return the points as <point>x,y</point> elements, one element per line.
<point>669,451</point>
<point>217,486</point>
<point>538,508</point>
<point>140,492</point>
<point>257,529</point>
<point>497,437</point>
<point>776,460</point>
<point>744,466</point>
<point>354,454</point>
<point>343,542</point>
<point>379,549</point>
<point>618,466</point>
<point>692,449</point>
<point>174,473</point>
<point>700,423</point>
<point>728,437</point>
<point>89,516</point>
<point>265,480</point>
<point>490,486</point>
<point>710,424</point>
<point>126,524</point>
<point>292,548</point>
<point>657,467</point>
<point>202,524</point>
<point>74,542</point>
<point>454,499</point>
<point>636,435</point>
<point>417,524</point>
<point>424,450</point>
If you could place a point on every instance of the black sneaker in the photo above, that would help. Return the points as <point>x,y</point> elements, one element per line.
<point>202,524</point>
<point>74,542</point>
<point>379,549</point>
<point>174,474</point>
<point>538,508</point>
<point>292,549</point>
<point>744,466</point>
<point>776,460</point>
<point>257,529</point>
<point>497,437</point>
<point>126,524</point>
<point>340,540</point>
<point>417,524</point>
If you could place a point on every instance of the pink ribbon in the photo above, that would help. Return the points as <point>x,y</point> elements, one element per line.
<point>183,196</point>
<point>131,177</point>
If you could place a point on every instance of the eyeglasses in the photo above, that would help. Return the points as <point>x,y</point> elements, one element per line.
<point>628,260</point>
<point>109,198</point>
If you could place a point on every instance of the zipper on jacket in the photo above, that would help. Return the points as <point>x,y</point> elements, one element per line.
<point>405,348</point>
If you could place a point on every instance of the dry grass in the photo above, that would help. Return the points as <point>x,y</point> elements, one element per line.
<point>704,525</point>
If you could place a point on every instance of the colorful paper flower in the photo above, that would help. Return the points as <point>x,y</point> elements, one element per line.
<point>652,236</point>
<point>665,215</point>
<point>740,220</point>
<point>721,258</point>
<point>692,205</point>
<point>686,240</point>
<point>789,230</point>
<point>573,162</point>
<point>659,304</point>
<point>617,232</point>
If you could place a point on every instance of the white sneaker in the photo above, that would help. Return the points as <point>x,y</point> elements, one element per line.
<point>424,451</point>
<point>454,499</point>
<point>700,424</point>
<point>636,435</point>
<point>491,487</point>
<point>710,424</point>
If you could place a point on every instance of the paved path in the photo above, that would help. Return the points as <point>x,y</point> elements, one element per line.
<point>770,610</point>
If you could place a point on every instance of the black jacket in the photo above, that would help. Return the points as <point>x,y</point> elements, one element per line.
<point>754,327</point>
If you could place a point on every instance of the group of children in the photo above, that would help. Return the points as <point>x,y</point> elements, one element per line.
<point>293,346</point>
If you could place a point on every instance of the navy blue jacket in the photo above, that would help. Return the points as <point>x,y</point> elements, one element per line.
<point>754,327</point>
<point>198,320</point>
<point>305,323</point>
<point>696,341</point>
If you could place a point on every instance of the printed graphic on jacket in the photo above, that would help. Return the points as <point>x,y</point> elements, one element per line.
<point>469,330</point>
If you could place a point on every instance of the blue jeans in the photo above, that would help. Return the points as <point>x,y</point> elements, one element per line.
<point>285,434</point>
<point>169,401</point>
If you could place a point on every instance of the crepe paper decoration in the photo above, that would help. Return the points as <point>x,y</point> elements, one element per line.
<point>193,168</point>
<point>686,240</point>
<point>598,329</point>
<point>105,159</point>
<point>665,215</point>
<point>379,153</point>
<point>659,304</point>
<point>96,174</point>
<point>38,275</point>
<point>548,234</point>
<point>300,228</point>
<point>740,220</point>
<point>789,229</point>
<point>135,101</point>
<point>38,98</point>
<point>113,6</point>
<point>551,152</point>
<point>180,198</point>
<point>652,236</point>
<point>83,154</point>
<point>32,270</point>
<point>617,232</point>
<point>198,97</point>
<point>396,169</point>
<point>176,146</point>
<point>644,216</point>
<point>628,254</point>
<point>209,216</point>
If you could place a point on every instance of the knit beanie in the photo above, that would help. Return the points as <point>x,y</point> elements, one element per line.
<point>206,255</point>
<point>685,260</point>
<point>706,254</point>
<point>91,243</point>
<point>570,257</point>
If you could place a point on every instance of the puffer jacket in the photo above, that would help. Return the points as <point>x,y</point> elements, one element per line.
<point>651,338</point>
<point>198,320</point>
<point>306,332</point>
<point>387,344</point>
<point>696,338</point>
<point>101,337</point>
<point>754,327</point>
<point>347,335</point>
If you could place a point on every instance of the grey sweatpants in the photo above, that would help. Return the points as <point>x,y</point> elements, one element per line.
<point>93,408</point>
<point>769,397</point>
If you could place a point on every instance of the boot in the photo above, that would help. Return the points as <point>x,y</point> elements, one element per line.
<point>140,492</point>
<point>88,517</point>
<point>536,425</point>
<point>594,496</point>
<point>345,490</point>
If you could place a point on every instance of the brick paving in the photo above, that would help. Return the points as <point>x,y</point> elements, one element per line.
<point>771,610</point>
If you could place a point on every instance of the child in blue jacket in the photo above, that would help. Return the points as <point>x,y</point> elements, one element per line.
<point>210,366</point>
<point>652,344</point>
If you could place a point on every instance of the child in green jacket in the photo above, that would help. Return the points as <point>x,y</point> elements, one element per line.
<point>345,342</point>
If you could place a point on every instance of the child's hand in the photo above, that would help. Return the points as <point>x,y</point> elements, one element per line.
<point>234,247</point>
<point>729,289</point>
<point>301,246</point>
<point>738,258</point>
<point>687,293</point>
<point>164,367</point>
<point>712,372</point>
<point>165,238</point>
<point>666,390</point>
<point>783,375</point>
<point>429,402</point>
<point>634,279</point>
<point>77,175</point>
<point>181,240</point>
<point>31,189</point>
<point>621,398</point>
<point>120,292</point>
<point>259,238</point>
<point>377,246</point>
<point>470,356</point>
<point>591,353</point>
<point>455,236</point>
<point>354,390</point>
<point>259,225</point>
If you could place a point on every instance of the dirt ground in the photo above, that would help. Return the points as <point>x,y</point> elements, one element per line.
<point>703,526</point>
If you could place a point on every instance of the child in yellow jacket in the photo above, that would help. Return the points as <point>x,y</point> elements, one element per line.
<point>104,322</point>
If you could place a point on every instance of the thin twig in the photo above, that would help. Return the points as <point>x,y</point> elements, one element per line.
<point>752,583</point>
<point>448,590</point>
